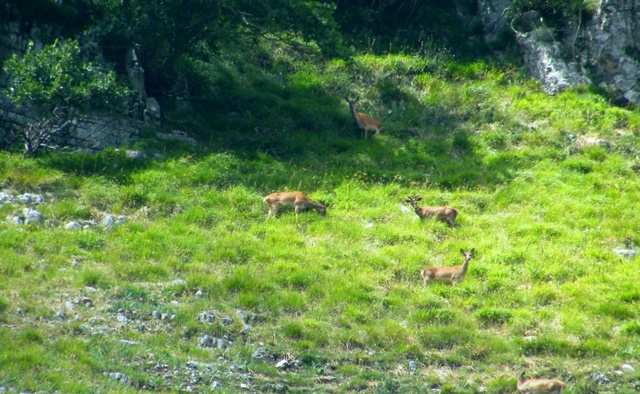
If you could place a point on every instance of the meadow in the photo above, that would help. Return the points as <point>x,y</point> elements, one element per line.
<point>336,303</point>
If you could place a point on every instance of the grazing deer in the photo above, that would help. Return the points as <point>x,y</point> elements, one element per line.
<point>443,214</point>
<point>447,275</point>
<point>296,199</point>
<point>364,122</point>
<point>539,385</point>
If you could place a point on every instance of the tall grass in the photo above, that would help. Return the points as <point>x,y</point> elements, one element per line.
<point>340,294</point>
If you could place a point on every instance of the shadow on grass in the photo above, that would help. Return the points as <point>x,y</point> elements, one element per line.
<point>273,135</point>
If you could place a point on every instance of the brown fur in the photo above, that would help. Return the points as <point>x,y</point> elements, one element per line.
<point>447,275</point>
<point>443,214</point>
<point>364,122</point>
<point>299,201</point>
<point>540,386</point>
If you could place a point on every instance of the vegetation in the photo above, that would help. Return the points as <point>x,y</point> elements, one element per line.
<point>60,87</point>
<point>333,303</point>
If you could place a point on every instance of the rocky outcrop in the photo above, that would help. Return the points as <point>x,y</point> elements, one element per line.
<point>599,47</point>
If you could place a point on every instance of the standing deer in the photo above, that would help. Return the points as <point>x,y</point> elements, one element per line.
<point>442,214</point>
<point>364,122</point>
<point>296,199</point>
<point>554,386</point>
<point>447,275</point>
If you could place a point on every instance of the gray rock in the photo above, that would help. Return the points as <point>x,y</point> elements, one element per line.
<point>206,341</point>
<point>15,219</point>
<point>599,378</point>
<point>32,216</point>
<point>6,198</point>
<point>30,199</point>
<point>627,368</point>
<point>259,353</point>
<point>628,253</point>
<point>413,366</point>
<point>226,321</point>
<point>118,376</point>
<point>152,111</point>
<point>122,319</point>
<point>73,226</point>
<point>107,222</point>
<point>206,317</point>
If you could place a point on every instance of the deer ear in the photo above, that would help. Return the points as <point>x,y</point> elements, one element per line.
<point>462,251</point>
<point>472,251</point>
<point>419,199</point>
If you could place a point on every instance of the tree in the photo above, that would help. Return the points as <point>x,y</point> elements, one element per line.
<point>166,32</point>
<point>61,88</point>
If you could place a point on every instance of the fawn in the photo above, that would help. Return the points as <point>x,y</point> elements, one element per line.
<point>296,199</point>
<point>539,385</point>
<point>447,275</point>
<point>364,122</point>
<point>443,214</point>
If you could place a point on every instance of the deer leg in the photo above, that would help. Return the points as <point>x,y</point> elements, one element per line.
<point>273,211</point>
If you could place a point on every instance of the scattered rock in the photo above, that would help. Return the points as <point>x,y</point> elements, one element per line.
<point>15,219</point>
<point>413,366</point>
<point>628,253</point>
<point>177,135</point>
<point>32,216</point>
<point>599,378</point>
<point>259,353</point>
<point>206,341</point>
<point>122,319</point>
<point>226,321</point>
<point>282,363</point>
<point>73,226</point>
<point>117,376</point>
<point>107,222</point>
<point>627,368</point>
<point>206,317</point>
<point>30,199</point>
<point>178,282</point>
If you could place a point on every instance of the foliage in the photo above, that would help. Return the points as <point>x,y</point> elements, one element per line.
<point>167,34</point>
<point>60,86</point>
<point>58,77</point>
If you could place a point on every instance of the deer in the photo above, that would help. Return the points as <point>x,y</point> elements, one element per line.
<point>298,200</point>
<point>364,122</point>
<point>531,386</point>
<point>447,275</point>
<point>443,214</point>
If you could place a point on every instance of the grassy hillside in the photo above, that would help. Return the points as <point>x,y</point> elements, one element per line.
<point>196,291</point>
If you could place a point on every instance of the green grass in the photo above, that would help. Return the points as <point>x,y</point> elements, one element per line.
<point>340,294</point>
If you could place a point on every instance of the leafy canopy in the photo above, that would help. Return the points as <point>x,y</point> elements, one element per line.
<point>57,76</point>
